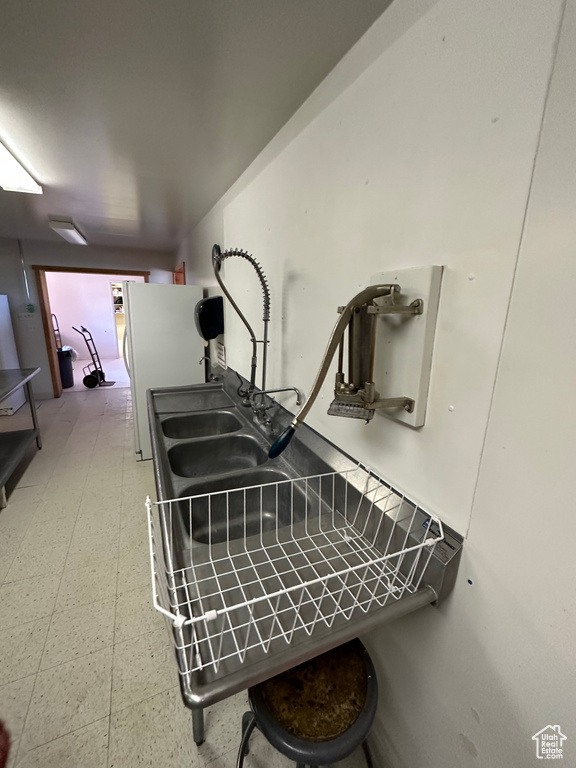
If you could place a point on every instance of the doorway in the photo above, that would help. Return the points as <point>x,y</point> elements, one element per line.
<point>84,297</point>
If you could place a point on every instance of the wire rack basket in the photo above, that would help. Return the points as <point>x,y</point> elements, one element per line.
<point>243,572</point>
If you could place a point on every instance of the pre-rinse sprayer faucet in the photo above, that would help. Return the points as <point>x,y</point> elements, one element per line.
<point>361,299</point>
<point>218,257</point>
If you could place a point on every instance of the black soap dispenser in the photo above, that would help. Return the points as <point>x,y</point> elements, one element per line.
<point>209,317</point>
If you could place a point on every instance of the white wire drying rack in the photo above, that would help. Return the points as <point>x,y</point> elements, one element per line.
<point>243,572</point>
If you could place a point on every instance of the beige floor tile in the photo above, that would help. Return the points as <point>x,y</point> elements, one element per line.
<point>27,600</point>
<point>85,748</point>
<point>227,760</point>
<point>97,481</point>
<point>105,486</point>
<point>69,473</point>
<point>43,549</point>
<point>136,492</point>
<point>135,614</point>
<point>133,570</point>
<point>57,509</point>
<point>134,513</point>
<point>143,667</point>
<point>75,460</point>
<point>60,497</point>
<point>223,726</point>
<point>22,497</point>
<point>80,443</point>
<point>14,702</point>
<point>103,462</point>
<point>87,550</point>
<point>21,649</point>
<point>9,546</point>
<point>134,537</point>
<point>79,632</point>
<point>68,697</point>
<point>67,485</point>
<point>50,531</point>
<point>96,523</point>
<point>81,586</point>
<point>156,733</point>
<point>39,560</point>
<point>40,474</point>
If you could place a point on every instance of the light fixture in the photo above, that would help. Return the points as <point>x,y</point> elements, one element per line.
<point>68,231</point>
<point>14,177</point>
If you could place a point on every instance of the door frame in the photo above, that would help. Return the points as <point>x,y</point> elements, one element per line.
<point>46,312</point>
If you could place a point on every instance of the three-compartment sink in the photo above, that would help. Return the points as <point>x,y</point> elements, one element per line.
<point>220,494</point>
<point>214,456</point>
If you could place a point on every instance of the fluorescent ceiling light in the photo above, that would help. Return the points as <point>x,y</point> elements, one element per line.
<point>68,231</point>
<point>14,177</point>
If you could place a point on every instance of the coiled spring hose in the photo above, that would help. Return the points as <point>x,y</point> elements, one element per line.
<point>218,257</point>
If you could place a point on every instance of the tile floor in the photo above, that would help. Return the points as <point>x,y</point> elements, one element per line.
<point>87,674</point>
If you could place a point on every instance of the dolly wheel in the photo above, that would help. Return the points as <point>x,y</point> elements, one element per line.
<point>90,381</point>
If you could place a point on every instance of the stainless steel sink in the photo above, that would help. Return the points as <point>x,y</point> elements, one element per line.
<point>206,424</point>
<point>240,510</point>
<point>216,455</point>
<point>211,457</point>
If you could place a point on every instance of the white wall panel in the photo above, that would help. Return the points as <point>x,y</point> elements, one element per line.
<point>427,157</point>
<point>424,159</point>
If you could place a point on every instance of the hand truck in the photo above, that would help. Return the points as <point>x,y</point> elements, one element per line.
<point>93,374</point>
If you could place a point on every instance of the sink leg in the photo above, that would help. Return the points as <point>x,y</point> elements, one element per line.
<point>198,726</point>
<point>3,502</point>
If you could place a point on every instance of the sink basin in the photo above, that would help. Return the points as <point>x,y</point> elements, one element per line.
<point>216,455</point>
<point>215,519</point>
<point>201,424</point>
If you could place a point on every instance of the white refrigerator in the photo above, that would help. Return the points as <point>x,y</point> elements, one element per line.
<point>162,347</point>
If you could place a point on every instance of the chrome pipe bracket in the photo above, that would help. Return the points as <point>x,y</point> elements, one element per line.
<point>390,308</point>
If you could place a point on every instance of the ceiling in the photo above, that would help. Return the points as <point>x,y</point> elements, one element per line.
<point>137,115</point>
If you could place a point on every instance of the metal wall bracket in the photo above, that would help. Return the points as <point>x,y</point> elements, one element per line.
<point>415,308</point>
<point>404,344</point>
<point>358,397</point>
<point>390,344</point>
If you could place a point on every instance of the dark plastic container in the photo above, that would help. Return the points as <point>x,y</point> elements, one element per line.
<point>65,364</point>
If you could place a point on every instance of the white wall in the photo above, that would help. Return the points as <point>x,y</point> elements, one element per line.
<point>28,328</point>
<point>85,299</point>
<point>426,156</point>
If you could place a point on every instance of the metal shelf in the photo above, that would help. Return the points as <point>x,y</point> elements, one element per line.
<point>14,444</point>
<point>13,447</point>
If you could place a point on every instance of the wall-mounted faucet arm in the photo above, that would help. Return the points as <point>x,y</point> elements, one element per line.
<point>255,394</point>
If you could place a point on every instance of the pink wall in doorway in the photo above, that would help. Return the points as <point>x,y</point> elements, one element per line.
<point>86,299</point>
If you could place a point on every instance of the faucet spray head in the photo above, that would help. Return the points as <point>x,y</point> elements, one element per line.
<point>281,442</point>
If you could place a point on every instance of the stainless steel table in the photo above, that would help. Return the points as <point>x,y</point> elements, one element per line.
<point>14,444</point>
